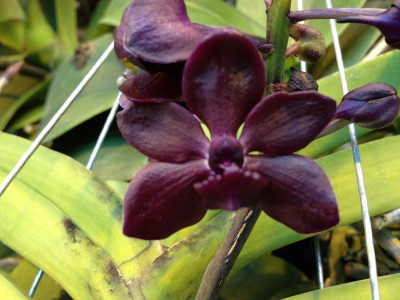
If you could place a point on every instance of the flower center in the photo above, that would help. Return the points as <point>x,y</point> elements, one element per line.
<point>225,151</point>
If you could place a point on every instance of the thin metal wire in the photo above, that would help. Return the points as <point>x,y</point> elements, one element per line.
<point>46,130</point>
<point>318,257</point>
<point>103,133</point>
<point>35,283</point>
<point>357,163</point>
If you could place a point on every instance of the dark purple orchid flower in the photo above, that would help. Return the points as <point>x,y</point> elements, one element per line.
<point>374,105</point>
<point>223,84</point>
<point>387,22</point>
<point>159,38</point>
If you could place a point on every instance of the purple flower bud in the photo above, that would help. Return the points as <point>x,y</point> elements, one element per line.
<point>373,106</point>
<point>387,22</point>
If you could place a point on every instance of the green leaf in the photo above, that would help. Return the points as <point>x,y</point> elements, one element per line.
<point>218,13</point>
<point>18,92</point>
<point>63,219</point>
<point>95,26</point>
<point>24,275</point>
<point>254,10</point>
<point>9,289</point>
<point>11,10</point>
<point>356,41</point>
<point>38,32</point>
<point>68,185</point>
<point>12,28</point>
<point>26,118</point>
<point>208,12</point>
<point>389,289</point>
<point>116,160</point>
<point>113,14</point>
<point>66,25</point>
<point>97,97</point>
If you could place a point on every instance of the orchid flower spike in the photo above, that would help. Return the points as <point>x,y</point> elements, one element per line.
<point>223,86</point>
<point>375,105</point>
<point>388,22</point>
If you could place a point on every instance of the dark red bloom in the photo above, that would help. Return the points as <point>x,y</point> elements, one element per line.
<point>223,85</point>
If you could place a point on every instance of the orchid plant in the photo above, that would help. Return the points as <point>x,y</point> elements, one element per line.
<point>225,127</point>
<point>219,76</point>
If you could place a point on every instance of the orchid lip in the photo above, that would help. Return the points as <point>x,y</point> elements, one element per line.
<point>224,152</point>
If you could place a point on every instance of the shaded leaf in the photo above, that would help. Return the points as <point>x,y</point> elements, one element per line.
<point>66,25</point>
<point>254,10</point>
<point>262,279</point>
<point>116,160</point>
<point>218,13</point>
<point>18,92</point>
<point>98,96</point>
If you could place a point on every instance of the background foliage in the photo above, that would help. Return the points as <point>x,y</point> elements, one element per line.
<point>62,218</point>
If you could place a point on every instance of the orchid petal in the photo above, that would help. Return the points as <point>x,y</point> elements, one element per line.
<point>163,131</point>
<point>231,190</point>
<point>284,123</point>
<point>299,193</point>
<point>161,200</point>
<point>223,80</point>
<point>146,87</point>
<point>157,32</point>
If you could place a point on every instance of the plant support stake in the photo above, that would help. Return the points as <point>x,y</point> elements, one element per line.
<point>357,162</point>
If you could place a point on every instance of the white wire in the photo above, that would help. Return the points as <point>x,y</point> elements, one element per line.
<point>357,163</point>
<point>103,133</point>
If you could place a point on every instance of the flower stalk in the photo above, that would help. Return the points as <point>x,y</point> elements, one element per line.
<point>331,13</point>
<point>225,257</point>
<point>278,26</point>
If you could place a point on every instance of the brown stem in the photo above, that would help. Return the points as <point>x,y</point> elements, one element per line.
<point>223,261</point>
<point>9,73</point>
<point>331,13</point>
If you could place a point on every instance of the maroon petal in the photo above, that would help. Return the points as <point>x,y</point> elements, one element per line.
<point>163,131</point>
<point>157,32</point>
<point>223,79</point>
<point>284,123</point>
<point>161,200</point>
<point>146,87</point>
<point>299,193</point>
